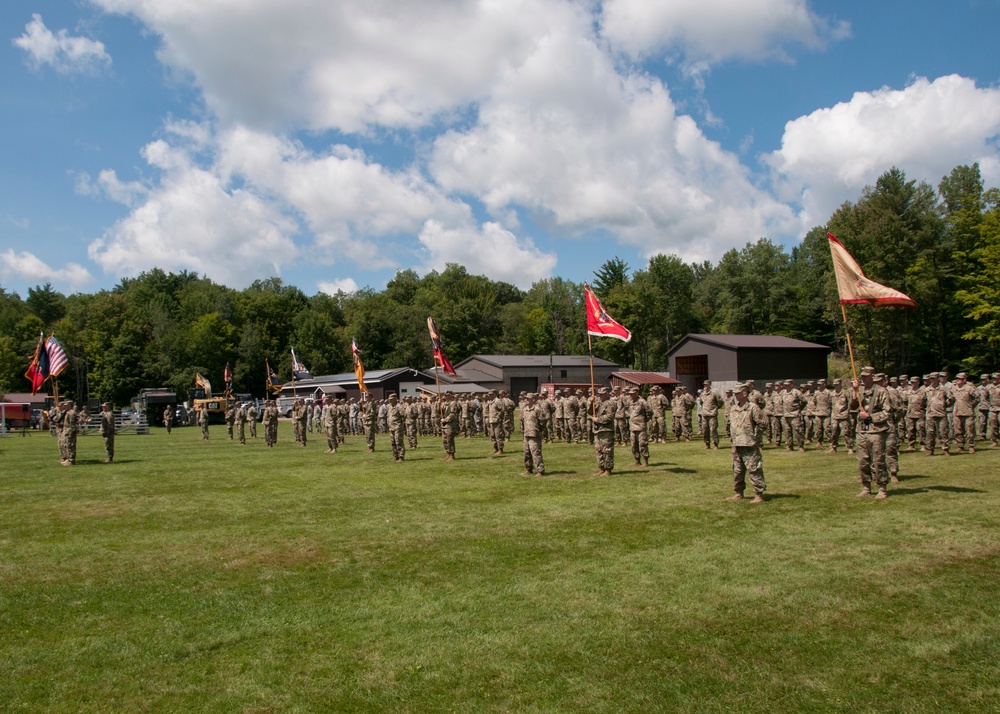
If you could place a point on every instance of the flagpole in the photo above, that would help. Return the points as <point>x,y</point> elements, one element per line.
<point>850,347</point>
<point>593,391</point>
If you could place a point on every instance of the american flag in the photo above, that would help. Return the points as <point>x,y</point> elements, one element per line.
<point>57,357</point>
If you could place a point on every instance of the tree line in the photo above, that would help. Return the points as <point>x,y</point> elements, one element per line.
<point>941,247</point>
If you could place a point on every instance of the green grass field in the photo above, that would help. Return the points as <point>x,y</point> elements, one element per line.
<point>206,576</point>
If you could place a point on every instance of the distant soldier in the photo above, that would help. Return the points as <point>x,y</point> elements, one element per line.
<point>532,435</point>
<point>966,398</point>
<point>543,412</point>
<point>687,420</point>
<point>383,416</point>
<point>560,415</point>
<point>168,417</point>
<point>638,417</point>
<point>508,415</point>
<point>769,411</point>
<point>658,406</point>
<point>994,420</point>
<point>396,420</point>
<point>747,422</point>
<point>572,412</point>
<point>270,423</point>
<point>108,431</point>
<point>840,414</point>
<point>677,413</point>
<point>411,413</point>
<point>70,430</point>
<point>450,415</point>
<point>203,421</point>
<point>252,419</point>
<point>891,440</point>
<point>822,413</point>
<point>915,406</point>
<point>369,417</point>
<point>57,415</point>
<point>984,406</point>
<point>301,419</point>
<point>621,401</point>
<point>230,420</point>
<point>708,408</point>
<point>494,421</point>
<point>330,426</point>
<point>937,415</point>
<point>792,404</point>
<point>241,423</point>
<point>871,432</point>
<point>604,434</point>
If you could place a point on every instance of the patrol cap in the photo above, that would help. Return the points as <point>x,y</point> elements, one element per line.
<point>745,388</point>
<point>915,378</point>
<point>961,375</point>
<point>995,375</point>
<point>769,384</point>
<point>603,390</point>
<point>867,370</point>
<point>984,376</point>
<point>106,404</point>
<point>655,388</point>
<point>837,381</point>
<point>879,377</point>
<point>788,381</point>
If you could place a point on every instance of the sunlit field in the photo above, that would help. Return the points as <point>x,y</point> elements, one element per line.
<point>209,576</point>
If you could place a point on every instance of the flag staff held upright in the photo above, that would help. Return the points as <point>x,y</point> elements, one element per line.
<point>601,324</point>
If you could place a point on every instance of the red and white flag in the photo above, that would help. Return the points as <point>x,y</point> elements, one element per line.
<point>599,322</point>
<point>57,357</point>
<point>854,287</point>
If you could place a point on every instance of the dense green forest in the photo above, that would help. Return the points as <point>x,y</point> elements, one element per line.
<point>942,248</point>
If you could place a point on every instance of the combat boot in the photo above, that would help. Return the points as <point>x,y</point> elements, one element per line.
<point>882,493</point>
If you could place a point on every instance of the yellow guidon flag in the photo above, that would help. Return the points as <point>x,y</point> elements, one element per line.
<point>359,369</point>
<point>854,287</point>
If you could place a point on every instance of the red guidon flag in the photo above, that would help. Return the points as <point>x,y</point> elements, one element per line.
<point>854,287</point>
<point>599,322</point>
<point>436,347</point>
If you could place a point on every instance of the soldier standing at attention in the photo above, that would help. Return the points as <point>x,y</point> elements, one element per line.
<point>302,417</point>
<point>56,417</point>
<point>966,400</point>
<point>168,417</point>
<point>230,419</point>
<point>823,412</point>
<point>687,420</point>
<point>747,421</point>
<point>891,440</point>
<point>203,421</point>
<point>658,406</point>
<point>450,416</point>
<point>70,430</point>
<point>270,423</point>
<point>769,410</point>
<point>871,433</point>
<point>677,413</point>
<point>604,432</point>
<point>984,405</point>
<point>532,435</point>
<point>252,419</point>
<point>708,409</point>
<point>791,400</point>
<point>839,414</point>
<point>915,406</point>
<point>330,426</point>
<point>369,416</point>
<point>937,415</point>
<point>621,401</point>
<point>108,431</point>
<point>560,415</point>
<point>994,419</point>
<point>638,417</point>
<point>396,420</point>
<point>241,423</point>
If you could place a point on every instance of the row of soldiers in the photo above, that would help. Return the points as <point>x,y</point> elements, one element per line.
<point>65,420</point>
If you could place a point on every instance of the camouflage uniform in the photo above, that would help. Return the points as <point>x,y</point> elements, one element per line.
<point>330,419</point>
<point>937,418</point>
<point>396,420</point>
<point>966,400</point>
<point>369,417</point>
<point>604,432</point>
<point>747,423</point>
<point>203,422</point>
<point>70,430</point>
<point>270,424</point>
<point>822,413</point>
<point>108,432</point>
<point>658,406</point>
<point>638,416</point>
<point>915,401</point>
<point>872,431</point>
<point>241,424</point>
<point>532,435</point>
<point>449,416</point>
<point>708,409</point>
<point>791,402</point>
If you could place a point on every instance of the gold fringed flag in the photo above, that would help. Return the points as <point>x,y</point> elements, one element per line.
<point>599,322</point>
<point>359,369</point>
<point>437,348</point>
<point>273,383</point>
<point>854,287</point>
<point>38,370</point>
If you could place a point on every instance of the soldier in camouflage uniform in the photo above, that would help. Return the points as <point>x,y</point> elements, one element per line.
<point>891,440</point>
<point>687,420</point>
<point>639,414</point>
<point>532,435</point>
<point>621,401</point>
<point>915,406</point>
<point>108,431</point>
<point>71,428</point>
<point>203,421</point>
<point>241,423</point>
<point>708,409</point>
<point>494,421</point>
<point>791,402</point>
<point>840,413</point>
<point>677,413</point>
<point>369,418</point>
<point>874,414</point>
<point>966,398</point>
<point>658,406</point>
<point>330,421</point>
<point>747,423</point>
<point>270,423</point>
<point>230,419</point>
<point>396,419</point>
<point>450,414</point>
<point>937,415</point>
<point>604,432</point>
<point>984,406</point>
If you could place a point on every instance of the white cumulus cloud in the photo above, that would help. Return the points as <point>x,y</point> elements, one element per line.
<point>29,268</point>
<point>710,31</point>
<point>60,50</point>
<point>926,129</point>
<point>339,285</point>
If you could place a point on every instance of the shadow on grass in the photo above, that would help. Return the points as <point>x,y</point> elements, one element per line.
<point>776,496</point>
<point>680,470</point>
<point>954,489</point>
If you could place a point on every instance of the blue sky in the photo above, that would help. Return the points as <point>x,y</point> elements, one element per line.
<point>332,144</point>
